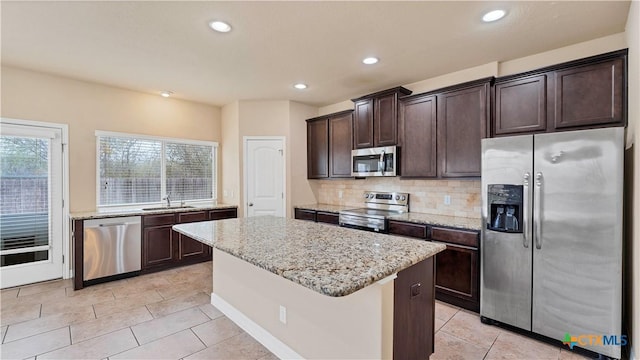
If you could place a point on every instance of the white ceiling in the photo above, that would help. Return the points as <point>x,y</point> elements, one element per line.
<point>153,46</point>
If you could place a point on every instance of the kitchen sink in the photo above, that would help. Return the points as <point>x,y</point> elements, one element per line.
<point>168,208</point>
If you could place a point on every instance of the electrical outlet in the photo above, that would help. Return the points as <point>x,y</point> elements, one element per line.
<point>283,314</point>
<point>339,194</point>
<point>447,199</point>
<point>225,192</point>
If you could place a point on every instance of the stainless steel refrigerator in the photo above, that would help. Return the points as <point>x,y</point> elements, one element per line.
<point>551,246</point>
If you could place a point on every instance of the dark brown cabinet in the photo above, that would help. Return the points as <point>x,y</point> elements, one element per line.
<point>316,216</point>
<point>414,312</point>
<point>585,93</point>
<point>458,268</point>
<point>441,131</point>
<point>340,129</point>
<point>375,120</point>
<point>317,148</point>
<point>590,94</point>
<point>163,248</point>
<point>418,143</point>
<point>329,145</point>
<point>402,228</point>
<point>188,247</point>
<point>520,105</point>
<point>159,243</point>
<point>462,123</point>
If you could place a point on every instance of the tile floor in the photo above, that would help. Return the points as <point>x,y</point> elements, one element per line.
<point>168,315</point>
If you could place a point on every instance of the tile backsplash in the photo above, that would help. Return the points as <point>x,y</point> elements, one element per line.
<point>426,196</point>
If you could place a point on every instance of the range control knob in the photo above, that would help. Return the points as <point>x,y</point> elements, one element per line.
<point>397,197</point>
<point>403,198</point>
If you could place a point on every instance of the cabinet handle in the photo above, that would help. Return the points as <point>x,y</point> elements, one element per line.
<point>250,204</point>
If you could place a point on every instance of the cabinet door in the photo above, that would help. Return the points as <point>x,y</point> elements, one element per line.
<point>402,228</point>
<point>462,123</point>
<point>521,105</point>
<point>190,248</point>
<point>223,214</point>
<point>158,246</point>
<point>340,138</point>
<point>363,124</point>
<point>590,95</point>
<point>385,120</point>
<point>317,149</point>
<point>326,217</point>
<point>457,276</point>
<point>304,214</point>
<point>413,314</point>
<point>418,121</point>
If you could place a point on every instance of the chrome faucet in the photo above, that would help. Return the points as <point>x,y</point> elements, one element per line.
<point>168,198</point>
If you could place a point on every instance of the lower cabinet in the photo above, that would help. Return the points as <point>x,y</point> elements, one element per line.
<point>317,216</point>
<point>457,267</point>
<point>163,248</point>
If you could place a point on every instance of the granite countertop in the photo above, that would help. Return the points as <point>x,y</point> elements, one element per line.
<point>328,259</point>
<point>414,217</point>
<point>136,212</point>
<point>442,220</point>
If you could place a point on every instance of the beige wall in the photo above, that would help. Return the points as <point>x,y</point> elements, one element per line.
<point>633,42</point>
<point>266,118</point>
<point>87,107</point>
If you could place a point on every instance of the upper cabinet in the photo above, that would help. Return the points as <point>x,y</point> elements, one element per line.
<point>463,115</point>
<point>376,118</point>
<point>441,131</point>
<point>585,93</point>
<point>329,145</point>
<point>317,148</point>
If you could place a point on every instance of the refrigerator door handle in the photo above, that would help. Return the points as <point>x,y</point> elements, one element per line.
<point>537,205</point>
<point>527,206</point>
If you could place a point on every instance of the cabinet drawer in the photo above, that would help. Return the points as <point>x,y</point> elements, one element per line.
<point>327,217</point>
<point>223,214</point>
<point>460,237</point>
<point>303,214</point>
<point>408,229</point>
<point>155,220</point>
<point>192,216</point>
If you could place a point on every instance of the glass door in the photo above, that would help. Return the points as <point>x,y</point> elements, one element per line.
<point>31,209</point>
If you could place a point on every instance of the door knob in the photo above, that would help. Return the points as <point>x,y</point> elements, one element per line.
<point>250,204</point>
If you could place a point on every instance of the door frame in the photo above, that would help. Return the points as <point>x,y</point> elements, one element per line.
<point>245,187</point>
<point>67,264</point>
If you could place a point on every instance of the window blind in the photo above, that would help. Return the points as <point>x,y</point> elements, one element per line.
<point>143,170</point>
<point>130,170</point>
<point>189,171</point>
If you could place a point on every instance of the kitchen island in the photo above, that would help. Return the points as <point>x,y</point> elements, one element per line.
<point>309,290</point>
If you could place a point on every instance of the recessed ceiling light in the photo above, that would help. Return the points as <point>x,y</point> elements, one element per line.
<point>493,15</point>
<point>370,60</point>
<point>220,26</point>
<point>166,93</point>
<point>300,86</point>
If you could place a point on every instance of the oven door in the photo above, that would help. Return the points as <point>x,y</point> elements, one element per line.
<point>363,222</point>
<point>380,161</point>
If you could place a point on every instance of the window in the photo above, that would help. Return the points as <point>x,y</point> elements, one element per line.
<point>141,170</point>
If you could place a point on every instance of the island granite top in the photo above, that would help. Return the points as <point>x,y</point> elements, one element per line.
<point>137,212</point>
<point>328,259</point>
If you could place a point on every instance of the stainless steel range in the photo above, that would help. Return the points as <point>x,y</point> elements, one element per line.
<point>379,206</point>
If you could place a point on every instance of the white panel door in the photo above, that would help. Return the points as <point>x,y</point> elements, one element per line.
<point>31,210</point>
<point>265,177</point>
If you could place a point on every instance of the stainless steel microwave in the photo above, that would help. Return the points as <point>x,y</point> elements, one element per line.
<point>379,161</point>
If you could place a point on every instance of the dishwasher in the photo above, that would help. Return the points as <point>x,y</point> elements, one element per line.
<point>112,246</point>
